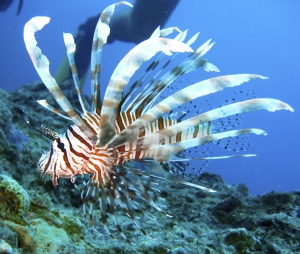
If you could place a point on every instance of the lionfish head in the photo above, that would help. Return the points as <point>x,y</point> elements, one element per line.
<point>55,162</point>
<point>47,164</point>
<point>135,135</point>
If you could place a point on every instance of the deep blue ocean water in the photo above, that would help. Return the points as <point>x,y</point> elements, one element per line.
<point>260,37</point>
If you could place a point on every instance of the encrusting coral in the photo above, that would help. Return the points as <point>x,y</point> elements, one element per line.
<point>14,199</point>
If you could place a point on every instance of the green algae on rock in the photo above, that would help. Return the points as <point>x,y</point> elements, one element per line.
<point>5,247</point>
<point>14,199</point>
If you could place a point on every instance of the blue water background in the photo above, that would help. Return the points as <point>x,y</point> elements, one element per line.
<point>260,37</point>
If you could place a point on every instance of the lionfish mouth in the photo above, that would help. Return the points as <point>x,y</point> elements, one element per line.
<point>134,135</point>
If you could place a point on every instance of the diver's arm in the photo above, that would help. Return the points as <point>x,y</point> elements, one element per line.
<point>138,23</point>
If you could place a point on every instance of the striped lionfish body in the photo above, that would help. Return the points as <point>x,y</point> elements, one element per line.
<point>111,135</point>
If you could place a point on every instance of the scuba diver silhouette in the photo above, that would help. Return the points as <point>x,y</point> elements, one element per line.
<point>129,25</point>
<point>4,4</point>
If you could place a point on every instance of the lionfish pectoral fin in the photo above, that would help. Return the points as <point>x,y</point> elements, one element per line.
<point>176,158</point>
<point>187,94</point>
<point>152,147</point>
<point>225,157</point>
<point>170,152</point>
<point>177,180</point>
<point>232,109</point>
<point>168,176</point>
<point>177,116</point>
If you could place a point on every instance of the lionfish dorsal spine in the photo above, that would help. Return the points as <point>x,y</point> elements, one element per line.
<point>120,77</point>
<point>71,47</point>
<point>137,84</point>
<point>151,91</point>
<point>101,33</point>
<point>47,105</point>
<point>41,64</point>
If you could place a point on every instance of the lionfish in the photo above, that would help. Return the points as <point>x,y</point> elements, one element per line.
<point>114,140</point>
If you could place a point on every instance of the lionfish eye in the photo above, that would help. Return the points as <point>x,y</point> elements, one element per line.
<point>39,127</point>
<point>61,146</point>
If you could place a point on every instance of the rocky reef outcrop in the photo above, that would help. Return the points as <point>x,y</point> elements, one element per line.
<point>35,217</point>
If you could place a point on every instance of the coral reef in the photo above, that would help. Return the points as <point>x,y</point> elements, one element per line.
<point>228,221</point>
<point>14,199</point>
